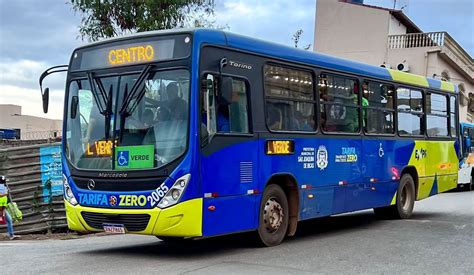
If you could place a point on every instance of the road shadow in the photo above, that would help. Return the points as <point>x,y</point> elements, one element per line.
<point>308,230</point>
<point>235,242</point>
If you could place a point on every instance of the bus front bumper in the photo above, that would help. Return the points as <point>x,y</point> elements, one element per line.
<point>181,220</point>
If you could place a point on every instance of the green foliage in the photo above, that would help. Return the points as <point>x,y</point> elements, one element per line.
<point>109,18</point>
<point>296,39</point>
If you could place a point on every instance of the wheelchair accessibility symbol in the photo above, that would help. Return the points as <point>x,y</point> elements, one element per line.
<point>122,158</point>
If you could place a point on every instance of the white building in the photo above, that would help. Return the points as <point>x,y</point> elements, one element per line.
<point>387,37</point>
<point>31,127</point>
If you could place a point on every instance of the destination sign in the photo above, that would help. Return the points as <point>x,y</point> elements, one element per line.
<point>101,148</point>
<point>280,147</point>
<point>128,55</point>
<point>132,51</point>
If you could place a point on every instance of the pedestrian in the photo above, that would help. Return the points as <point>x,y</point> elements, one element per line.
<point>3,204</point>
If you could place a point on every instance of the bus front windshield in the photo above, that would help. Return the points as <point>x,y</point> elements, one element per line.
<point>116,126</point>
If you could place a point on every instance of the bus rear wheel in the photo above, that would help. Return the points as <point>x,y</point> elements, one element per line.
<point>404,203</point>
<point>273,217</point>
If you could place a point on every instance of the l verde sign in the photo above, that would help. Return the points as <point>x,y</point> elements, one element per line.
<point>134,157</point>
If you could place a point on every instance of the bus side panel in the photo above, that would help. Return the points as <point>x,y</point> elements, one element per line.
<point>323,166</point>
<point>317,202</point>
<point>230,214</point>
<point>378,185</point>
<point>439,159</point>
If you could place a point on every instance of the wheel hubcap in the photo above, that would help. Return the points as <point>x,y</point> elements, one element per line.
<point>405,198</point>
<point>272,215</point>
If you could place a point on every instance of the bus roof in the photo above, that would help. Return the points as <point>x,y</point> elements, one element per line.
<point>279,51</point>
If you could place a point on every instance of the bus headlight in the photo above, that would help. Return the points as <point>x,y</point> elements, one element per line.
<point>68,195</point>
<point>176,191</point>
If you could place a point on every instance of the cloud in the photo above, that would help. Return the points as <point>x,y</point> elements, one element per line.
<point>30,100</point>
<point>35,35</point>
<point>274,21</point>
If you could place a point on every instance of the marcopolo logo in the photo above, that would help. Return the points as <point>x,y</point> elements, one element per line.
<point>134,157</point>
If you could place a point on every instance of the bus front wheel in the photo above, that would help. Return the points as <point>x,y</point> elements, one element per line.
<point>273,217</point>
<point>404,203</point>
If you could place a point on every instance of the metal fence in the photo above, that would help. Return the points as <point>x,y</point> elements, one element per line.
<point>38,135</point>
<point>34,178</point>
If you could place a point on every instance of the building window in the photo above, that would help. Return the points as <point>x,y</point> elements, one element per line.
<point>436,115</point>
<point>410,112</point>
<point>378,108</point>
<point>339,103</point>
<point>290,100</point>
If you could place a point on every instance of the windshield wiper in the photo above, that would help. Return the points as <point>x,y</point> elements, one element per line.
<point>134,92</point>
<point>106,99</point>
<point>128,97</point>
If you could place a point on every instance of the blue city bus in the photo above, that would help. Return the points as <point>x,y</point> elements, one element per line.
<point>466,160</point>
<point>201,133</point>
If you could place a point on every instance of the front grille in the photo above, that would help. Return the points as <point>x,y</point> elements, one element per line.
<point>115,185</point>
<point>132,222</point>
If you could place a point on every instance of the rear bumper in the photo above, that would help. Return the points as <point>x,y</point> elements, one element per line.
<point>181,220</point>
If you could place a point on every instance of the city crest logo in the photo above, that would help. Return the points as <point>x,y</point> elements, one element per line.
<point>322,157</point>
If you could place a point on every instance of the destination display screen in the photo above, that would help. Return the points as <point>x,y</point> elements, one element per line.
<point>130,52</point>
<point>280,147</point>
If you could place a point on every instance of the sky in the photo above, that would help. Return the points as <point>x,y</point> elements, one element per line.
<point>35,35</point>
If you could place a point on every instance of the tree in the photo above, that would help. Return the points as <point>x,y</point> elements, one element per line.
<point>296,38</point>
<point>109,18</point>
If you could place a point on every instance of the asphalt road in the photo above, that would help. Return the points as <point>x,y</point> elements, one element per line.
<point>437,239</point>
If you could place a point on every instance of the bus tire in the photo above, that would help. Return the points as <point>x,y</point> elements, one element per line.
<point>405,201</point>
<point>273,216</point>
<point>405,197</point>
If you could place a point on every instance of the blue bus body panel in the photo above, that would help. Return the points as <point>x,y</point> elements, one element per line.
<point>340,184</point>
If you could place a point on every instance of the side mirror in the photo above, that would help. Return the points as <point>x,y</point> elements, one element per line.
<point>225,90</point>
<point>45,94</point>
<point>45,97</point>
<point>74,104</point>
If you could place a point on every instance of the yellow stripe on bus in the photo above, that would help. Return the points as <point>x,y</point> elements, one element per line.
<point>182,220</point>
<point>447,86</point>
<point>408,78</point>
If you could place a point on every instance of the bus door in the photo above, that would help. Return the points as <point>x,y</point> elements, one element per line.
<point>377,186</point>
<point>229,155</point>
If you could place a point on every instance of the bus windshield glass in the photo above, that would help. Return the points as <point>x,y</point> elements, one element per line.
<point>149,133</point>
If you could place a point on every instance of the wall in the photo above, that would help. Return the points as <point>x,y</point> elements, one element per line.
<point>355,36</point>
<point>396,27</point>
<point>31,127</point>
<point>416,58</point>
<point>34,177</point>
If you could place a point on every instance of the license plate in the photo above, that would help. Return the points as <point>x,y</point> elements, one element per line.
<point>114,228</point>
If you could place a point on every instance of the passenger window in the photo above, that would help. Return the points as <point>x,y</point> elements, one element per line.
<point>452,110</point>
<point>436,115</point>
<point>339,104</point>
<point>377,107</point>
<point>289,99</point>
<point>232,117</point>
<point>221,114</point>
<point>410,112</point>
